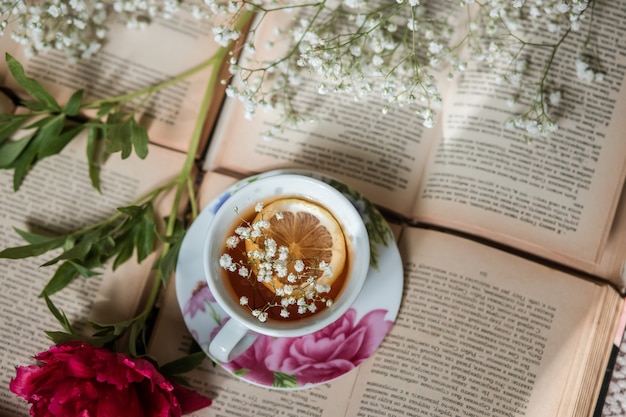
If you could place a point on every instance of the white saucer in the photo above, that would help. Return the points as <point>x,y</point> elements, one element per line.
<point>292,363</point>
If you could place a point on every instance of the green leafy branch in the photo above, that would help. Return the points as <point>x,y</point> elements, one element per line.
<point>134,229</point>
<point>49,127</point>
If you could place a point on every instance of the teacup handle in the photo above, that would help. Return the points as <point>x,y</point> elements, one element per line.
<point>231,341</point>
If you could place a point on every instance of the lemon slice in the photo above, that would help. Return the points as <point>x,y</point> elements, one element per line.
<point>310,232</point>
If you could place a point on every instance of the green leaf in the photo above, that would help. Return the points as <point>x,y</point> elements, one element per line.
<point>49,133</point>
<point>11,150</point>
<point>39,122</point>
<point>104,109</point>
<point>283,380</point>
<point>83,270</point>
<point>79,249</point>
<point>184,364</point>
<point>144,239</point>
<point>73,105</point>
<point>27,251</point>
<point>53,146</point>
<point>145,234</point>
<point>131,211</point>
<point>31,85</point>
<point>22,165</point>
<point>125,248</point>
<point>59,315</point>
<point>11,125</point>
<point>241,372</point>
<point>166,263</point>
<point>115,328</point>
<point>61,337</point>
<point>139,138</point>
<point>118,136</point>
<point>63,276</point>
<point>34,238</point>
<point>107,243</point>
<point>36,106</point>
<point>93,156</point>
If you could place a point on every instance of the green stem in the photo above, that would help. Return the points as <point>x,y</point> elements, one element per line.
<point>183,179</point>
<point>153,88</point>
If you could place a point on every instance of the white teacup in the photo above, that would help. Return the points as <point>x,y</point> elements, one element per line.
<point>241,330</point>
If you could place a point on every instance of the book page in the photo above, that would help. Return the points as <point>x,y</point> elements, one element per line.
<point>555,196</point>
<point>57,197</point>
<point>481,332</point>
<point>132,59</point>
<point>612,264</point>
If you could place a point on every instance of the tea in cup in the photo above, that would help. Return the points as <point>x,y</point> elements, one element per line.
<point>285,256</point>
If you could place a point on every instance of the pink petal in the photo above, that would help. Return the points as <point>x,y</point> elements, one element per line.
<point>22,384</point>
<point>189,400</point>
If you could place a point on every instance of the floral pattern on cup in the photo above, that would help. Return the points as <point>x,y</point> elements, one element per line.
<point>300,361</point>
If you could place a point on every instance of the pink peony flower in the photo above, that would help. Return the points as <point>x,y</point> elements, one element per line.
<point>77,379</point>
<point>332,351</point>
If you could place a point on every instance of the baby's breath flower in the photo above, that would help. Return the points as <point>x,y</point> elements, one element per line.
<point>322,288</point>
<point>260,315</point>
<point>280,268</point>
<point>555,97</point>
<point>232,242</point>
<point>243,232</point>
<point>269,261</point>
<point>226,261</point>
<point>585,69</point>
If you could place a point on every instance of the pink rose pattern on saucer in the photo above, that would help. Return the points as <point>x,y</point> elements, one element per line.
<point>296,362</point>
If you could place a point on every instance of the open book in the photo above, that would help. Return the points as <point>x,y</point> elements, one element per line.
<point>512,251</point>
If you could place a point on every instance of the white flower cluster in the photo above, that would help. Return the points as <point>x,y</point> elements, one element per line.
<point>269,261</point>
<point>76,27</point>
<point>355,47</point>
<point>389,49</point>
<point>392,49</point>
<point>558,14</point>
<point>588,69</point>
